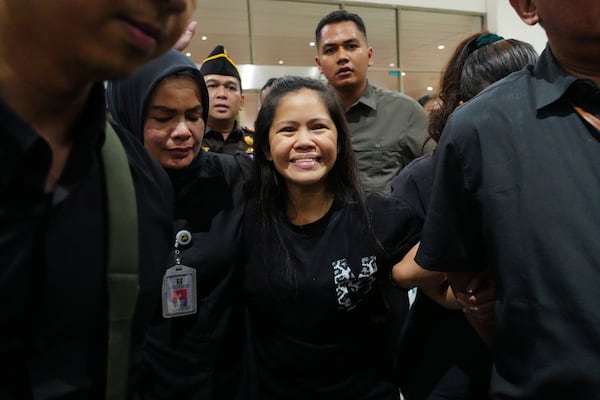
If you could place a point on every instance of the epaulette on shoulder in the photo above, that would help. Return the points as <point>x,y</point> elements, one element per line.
<point>249,139</point>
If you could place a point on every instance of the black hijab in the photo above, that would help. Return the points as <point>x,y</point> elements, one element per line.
<point>128,99</point>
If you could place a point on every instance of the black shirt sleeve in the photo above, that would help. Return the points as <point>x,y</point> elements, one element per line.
<point>413,185</point>
<point>451,239</point>
<point>394,224</point>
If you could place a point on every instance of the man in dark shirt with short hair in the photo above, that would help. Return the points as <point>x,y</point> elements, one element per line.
<point>55,235</point>
<point>516,190</point>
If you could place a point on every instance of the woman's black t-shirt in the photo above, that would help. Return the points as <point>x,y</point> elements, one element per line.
<point>321,329</point>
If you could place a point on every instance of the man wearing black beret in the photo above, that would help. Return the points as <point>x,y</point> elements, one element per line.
<point>223,134</point>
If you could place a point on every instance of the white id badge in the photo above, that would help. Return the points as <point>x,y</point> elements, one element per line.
<point>179,291</point>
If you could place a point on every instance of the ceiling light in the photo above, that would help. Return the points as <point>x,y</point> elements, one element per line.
<point>404,74</point>
<point>188,54</point>
<point>280,62</point>
<point>441,47</point>
<point>429,89</point>
<point>204,38</point>
<point>392,65</point>
<point>311,44</point>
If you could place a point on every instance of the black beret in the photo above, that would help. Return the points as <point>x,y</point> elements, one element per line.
<point>219,63</point>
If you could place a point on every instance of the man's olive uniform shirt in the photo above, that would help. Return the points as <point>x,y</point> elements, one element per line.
<point>388,130</point>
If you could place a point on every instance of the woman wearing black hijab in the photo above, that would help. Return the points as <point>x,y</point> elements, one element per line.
<point>196,351</point>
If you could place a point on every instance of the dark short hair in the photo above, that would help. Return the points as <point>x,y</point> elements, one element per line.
<point>268,83</point>
<point>340,16</point>
<point>425,98</point>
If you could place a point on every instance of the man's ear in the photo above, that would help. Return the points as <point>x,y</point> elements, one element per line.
<point>526,10</point>
<point>318,62</point>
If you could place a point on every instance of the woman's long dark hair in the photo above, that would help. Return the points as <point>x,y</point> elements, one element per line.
<point>478,61</point>
<point>268,189</point>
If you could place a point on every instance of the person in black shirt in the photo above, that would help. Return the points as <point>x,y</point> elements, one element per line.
<point>318,255</point>
<point>54,212</point>
<point>447,358</point>
<point>197,355</point>
<point>515,191</point>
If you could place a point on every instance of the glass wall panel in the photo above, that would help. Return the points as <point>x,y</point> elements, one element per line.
<point>421,32</point>
<point>250,110</point>
<point>221,23</point>
<point>381,33</point>
<point>283,31</point>
<point>385,79</point>
<point>416,84</point>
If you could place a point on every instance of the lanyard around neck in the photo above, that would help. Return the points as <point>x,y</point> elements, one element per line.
<point>122,269</point>
<point>589,117</point>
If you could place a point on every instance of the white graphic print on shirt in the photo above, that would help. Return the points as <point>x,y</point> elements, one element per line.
<point>346,283</point>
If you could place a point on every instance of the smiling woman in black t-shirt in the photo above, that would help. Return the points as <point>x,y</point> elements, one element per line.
<point>319,256</point>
